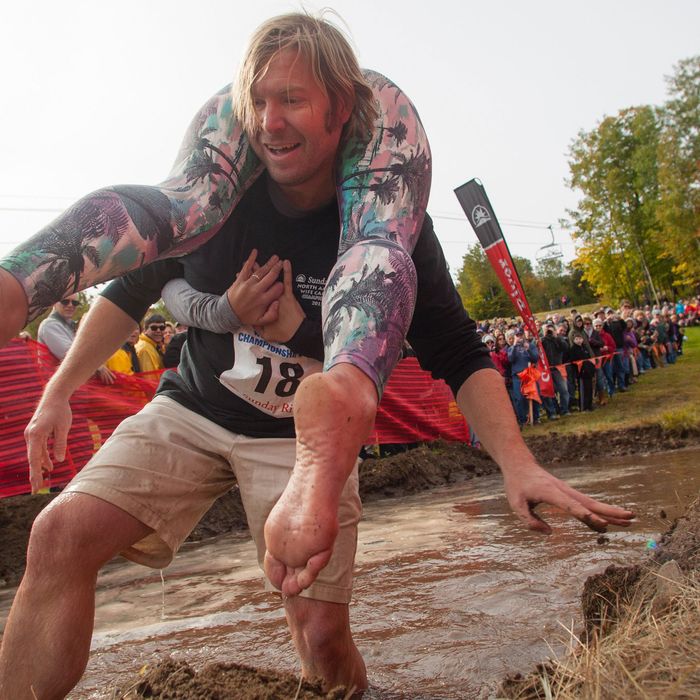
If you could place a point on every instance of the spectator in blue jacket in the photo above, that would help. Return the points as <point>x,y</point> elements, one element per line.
<point>521,354</point>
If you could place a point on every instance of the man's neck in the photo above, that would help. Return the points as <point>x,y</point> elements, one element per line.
<point>296,204</point>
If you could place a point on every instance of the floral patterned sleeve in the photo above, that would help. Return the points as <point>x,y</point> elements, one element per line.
<point>383,188</point>
<point>383,183</point>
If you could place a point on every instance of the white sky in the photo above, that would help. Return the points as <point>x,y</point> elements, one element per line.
<point>97,93</point>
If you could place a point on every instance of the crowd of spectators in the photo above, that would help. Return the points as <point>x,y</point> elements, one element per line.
<point>153,345</point>
<point>592,355</point>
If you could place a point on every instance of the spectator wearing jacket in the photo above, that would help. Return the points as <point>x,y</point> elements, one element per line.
<point>607,350</point>
<point>577,328</point>
<point>150,341</point>
<point>615,326</point>
<point>673,330</point>
<point>555,349</point>
<point>630,343</point>
<point>596,343</point>
<point>125,360</point>
<point>521,354</point>
<point>582,361</point>
<point>563,332</point>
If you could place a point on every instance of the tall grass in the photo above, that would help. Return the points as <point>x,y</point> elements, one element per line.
<point>646,655</point>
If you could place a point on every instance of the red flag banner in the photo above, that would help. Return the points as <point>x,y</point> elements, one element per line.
<point>414,408</point>
<point>472,197</point>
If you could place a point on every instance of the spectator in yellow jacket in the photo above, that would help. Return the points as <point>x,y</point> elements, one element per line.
<point>150,342</point>
<point>125,360</point>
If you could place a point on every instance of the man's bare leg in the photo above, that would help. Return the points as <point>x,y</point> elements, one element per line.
<point>322,637</point>
<point>333,414</point>
<point>46,642</point>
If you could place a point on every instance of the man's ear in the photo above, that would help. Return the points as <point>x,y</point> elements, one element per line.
<point>342,111</point>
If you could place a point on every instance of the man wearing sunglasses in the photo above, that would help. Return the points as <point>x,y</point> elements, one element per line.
<point>150,342</point>
<point>57,330</point>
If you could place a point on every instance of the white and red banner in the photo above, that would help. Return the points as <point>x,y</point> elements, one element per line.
<point>479,211</point>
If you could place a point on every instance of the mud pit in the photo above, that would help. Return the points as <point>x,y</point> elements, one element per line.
<point>405,473</point>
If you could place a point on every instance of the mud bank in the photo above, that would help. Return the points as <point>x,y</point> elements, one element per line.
<point>639,635</point>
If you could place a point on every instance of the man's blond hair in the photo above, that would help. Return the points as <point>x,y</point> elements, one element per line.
<point>330,57</point>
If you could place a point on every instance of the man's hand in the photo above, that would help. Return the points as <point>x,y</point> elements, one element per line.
<point>255,292</point>
<point>526,488</point>
<point>289,316</point>
<point>51,418</point>
<point>527,484</point>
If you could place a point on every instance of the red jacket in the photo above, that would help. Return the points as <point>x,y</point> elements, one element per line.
<point>500,359</point>
<point>607,340</point>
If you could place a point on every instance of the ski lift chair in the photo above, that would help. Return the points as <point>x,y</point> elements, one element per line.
<point>551,251</point>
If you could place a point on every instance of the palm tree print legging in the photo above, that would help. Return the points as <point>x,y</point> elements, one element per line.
<point>383,184</point>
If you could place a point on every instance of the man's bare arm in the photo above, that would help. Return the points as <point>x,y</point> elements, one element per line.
<point>102,331</point>
<point>13,303</point>
<point>484,402</point>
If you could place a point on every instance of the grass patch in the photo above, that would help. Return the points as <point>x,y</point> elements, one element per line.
<point>647,655</point>
<point>668,396</point>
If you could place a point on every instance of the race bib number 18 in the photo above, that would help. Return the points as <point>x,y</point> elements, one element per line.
<point>266,374</point>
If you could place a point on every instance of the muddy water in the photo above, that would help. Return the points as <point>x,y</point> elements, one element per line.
<point>451,593</point>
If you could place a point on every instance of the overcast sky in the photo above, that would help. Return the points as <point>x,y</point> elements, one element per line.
<point>97,93</point>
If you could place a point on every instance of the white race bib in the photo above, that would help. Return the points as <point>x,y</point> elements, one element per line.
<point>266,374</point>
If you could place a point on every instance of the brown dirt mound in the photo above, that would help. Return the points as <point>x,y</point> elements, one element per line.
<point>177,680</point>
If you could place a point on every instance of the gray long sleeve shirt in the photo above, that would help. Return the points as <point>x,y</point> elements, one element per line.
<point>57,334</point>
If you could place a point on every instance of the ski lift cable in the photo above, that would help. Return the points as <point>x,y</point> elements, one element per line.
<point>508,222</point>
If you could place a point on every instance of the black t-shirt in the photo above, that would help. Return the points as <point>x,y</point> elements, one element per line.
<point>441,333</point>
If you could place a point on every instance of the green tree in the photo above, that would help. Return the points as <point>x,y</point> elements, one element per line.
<point>558,280</point>
<point>615,169</point>
<point>480,289</point>
<point>679,174</point>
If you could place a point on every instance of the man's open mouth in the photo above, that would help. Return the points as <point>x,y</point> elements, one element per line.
<point>282,149</point>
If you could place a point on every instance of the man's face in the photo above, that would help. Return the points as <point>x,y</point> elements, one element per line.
<point>67,306</point>
<point>154,330</point>
<point>298,138</point>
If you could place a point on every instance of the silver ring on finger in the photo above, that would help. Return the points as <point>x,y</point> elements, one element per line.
<point>256,277</point>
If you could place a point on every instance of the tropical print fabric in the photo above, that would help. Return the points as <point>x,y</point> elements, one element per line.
<point>383,184</point>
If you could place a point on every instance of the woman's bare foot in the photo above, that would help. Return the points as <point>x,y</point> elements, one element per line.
<point>333,414</point>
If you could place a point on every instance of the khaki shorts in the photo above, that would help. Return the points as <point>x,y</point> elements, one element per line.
<point>167,465</point>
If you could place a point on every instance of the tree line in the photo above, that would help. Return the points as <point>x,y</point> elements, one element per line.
<point>637,223</point>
